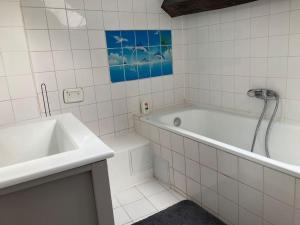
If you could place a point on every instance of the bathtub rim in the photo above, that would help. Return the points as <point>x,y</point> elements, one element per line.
<point>283,167</point>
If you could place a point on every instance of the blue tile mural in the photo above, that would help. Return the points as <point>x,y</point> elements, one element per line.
<point>139,54</point>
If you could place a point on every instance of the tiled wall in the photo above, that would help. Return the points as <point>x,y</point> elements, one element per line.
<point>248,46</point>
<point>62,43</point>
<point>238,191</point>
<point>17,90</point>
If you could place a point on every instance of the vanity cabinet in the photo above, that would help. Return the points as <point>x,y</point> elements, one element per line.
<point>79,196</point>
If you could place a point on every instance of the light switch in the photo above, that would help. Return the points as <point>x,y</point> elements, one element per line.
<point>73,95</point>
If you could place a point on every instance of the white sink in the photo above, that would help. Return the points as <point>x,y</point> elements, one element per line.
<point>33,141</point>
<point>45,147</point>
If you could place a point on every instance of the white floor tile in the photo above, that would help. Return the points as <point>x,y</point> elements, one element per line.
<point>121,216</point>
<point>163,200</point>
<point>128,196</point>
<point>151,188</point>
<point>142,201</point>
<point>139,209</point>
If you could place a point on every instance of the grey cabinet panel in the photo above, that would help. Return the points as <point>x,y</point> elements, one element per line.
<point>75,197</point>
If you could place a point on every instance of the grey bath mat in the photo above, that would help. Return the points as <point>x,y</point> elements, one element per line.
<point>183,213</point>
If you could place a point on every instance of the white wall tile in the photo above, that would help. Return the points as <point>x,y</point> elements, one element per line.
<point>74,4</point>
<point>62,60</point>
<point>191,150</point>
<point>247,218</point>
<point>6,113</point>
<point>106,126</point>
<point>38,40</point>
<point>259,47</point>
<point>119,107</point>
<point>121,122</point>
<point>209,199</point>
<point>294,21</point>
<point>65,79</point>
<point>111,20</point>
<point>165,138</point>
<point>297,217</point>
<point>25,109</point>
<point>42,61</point>
<point>4,92</point>
<point>177,143</point>
<point>93,4</point>
<point>279,6</point>
<point>103,93</point>
<point>140,20</point>
<point>57,19</point>
<point>279,24</point>
<point>228,188</point>
<point>208,156</point>
<point>118,90</point>
<point>297,197</point>
<point>193,170</point>
<point>209,178</point>
<point>34,18</point>
<point>273,181</point>
<point>251,174</point>
<point>110,5</point>
<point>21,86</point>
<point>260,26</point>
<point>294,45</point>
<point>194,190</point>
<point>228,210</point>
<point>79,39</point>
<point>94,19</point>
<point>124,5</point>
<point>59,39</point>
<point>167,155</point>
<point>251,199</point>
<point>180,181</point>
<point>13,39</point>
<point>89,113</point>
<point>139,5</point>
<point>77,19</point>
<point>278,46</point>
<point>7,9</point>
<point>178,162</point>
<point>84,77</point>
<point>227,164</point>
<point>11,59</point>
<point>96,39</point>
<point>99,58</point>
<point>276,212</point>
<point>81,59</point>
<point>55,3</point>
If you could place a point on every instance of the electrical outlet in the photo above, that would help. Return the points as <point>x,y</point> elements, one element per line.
<point>73,95</point>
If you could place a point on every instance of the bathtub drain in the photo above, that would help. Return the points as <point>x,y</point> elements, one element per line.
<point>177,122</point>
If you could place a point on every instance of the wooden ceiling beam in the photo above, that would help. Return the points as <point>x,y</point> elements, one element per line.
<point>184,7</point>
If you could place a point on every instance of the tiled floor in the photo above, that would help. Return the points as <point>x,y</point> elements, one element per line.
<point>141,201</point>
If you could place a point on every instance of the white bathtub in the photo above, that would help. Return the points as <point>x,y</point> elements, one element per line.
<point>207,158</point>
<point>234,133</point>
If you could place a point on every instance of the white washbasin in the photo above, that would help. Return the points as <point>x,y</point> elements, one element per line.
<point>33,141</point>
<point>41,148</point>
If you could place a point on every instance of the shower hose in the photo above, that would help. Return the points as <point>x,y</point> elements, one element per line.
<point>268,128</point>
